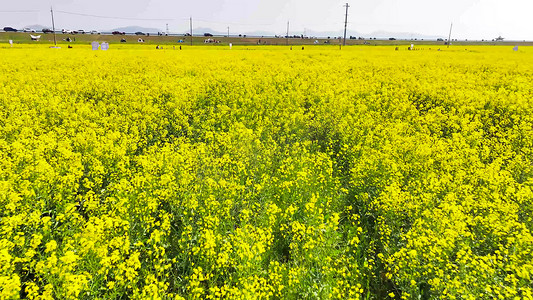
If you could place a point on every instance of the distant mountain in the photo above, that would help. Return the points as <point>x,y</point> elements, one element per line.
<point>133,29</point>
<point>199,31</point>
<point>376,34</point>
<point>402,35</point>
<point>323,34</point>
<point>257,33</point>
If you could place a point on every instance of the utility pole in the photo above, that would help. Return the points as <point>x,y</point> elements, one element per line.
<point>167,28</point>
<point>191,29</point>
<point>450,35</point>
<point>287,36</point>
<point>345,24</point>
<point>228,31</point>
<point>53,25</point>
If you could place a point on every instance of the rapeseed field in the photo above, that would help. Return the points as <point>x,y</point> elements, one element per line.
<point>266,173</point>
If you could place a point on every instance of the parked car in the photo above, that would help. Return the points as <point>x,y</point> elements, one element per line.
<point>118,33</point>
<point>10,29</point>
<point>207,34</point>
<point>95,32</point>
<point>139,33</point>
<point>47,30</point>
<point>440,40</point>
<point>28,30</point>
<point>81,31</point>
<point>392,39</point>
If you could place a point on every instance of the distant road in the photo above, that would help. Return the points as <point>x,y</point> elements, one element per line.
<point>24,37</point>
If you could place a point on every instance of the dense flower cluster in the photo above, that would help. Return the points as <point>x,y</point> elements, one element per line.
<point>265,173</point>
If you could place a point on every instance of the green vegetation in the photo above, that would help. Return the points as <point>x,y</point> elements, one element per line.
<point>265,173</point>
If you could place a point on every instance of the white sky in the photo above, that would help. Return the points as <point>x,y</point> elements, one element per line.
<point>472,19</point>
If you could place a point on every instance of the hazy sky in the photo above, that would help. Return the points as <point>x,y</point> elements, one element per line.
<point>473,19</point>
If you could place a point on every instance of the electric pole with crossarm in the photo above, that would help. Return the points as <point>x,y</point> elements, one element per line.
<point>53,25</point>
<point>345,24</point>
<point>190,22</point>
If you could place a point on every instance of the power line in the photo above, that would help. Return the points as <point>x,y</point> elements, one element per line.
<point>233,23</point>
<point>147,19</point>
<point>20,11</point>
<point>150,19</point>
<point>206,21</point>
<point>110,17</point>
